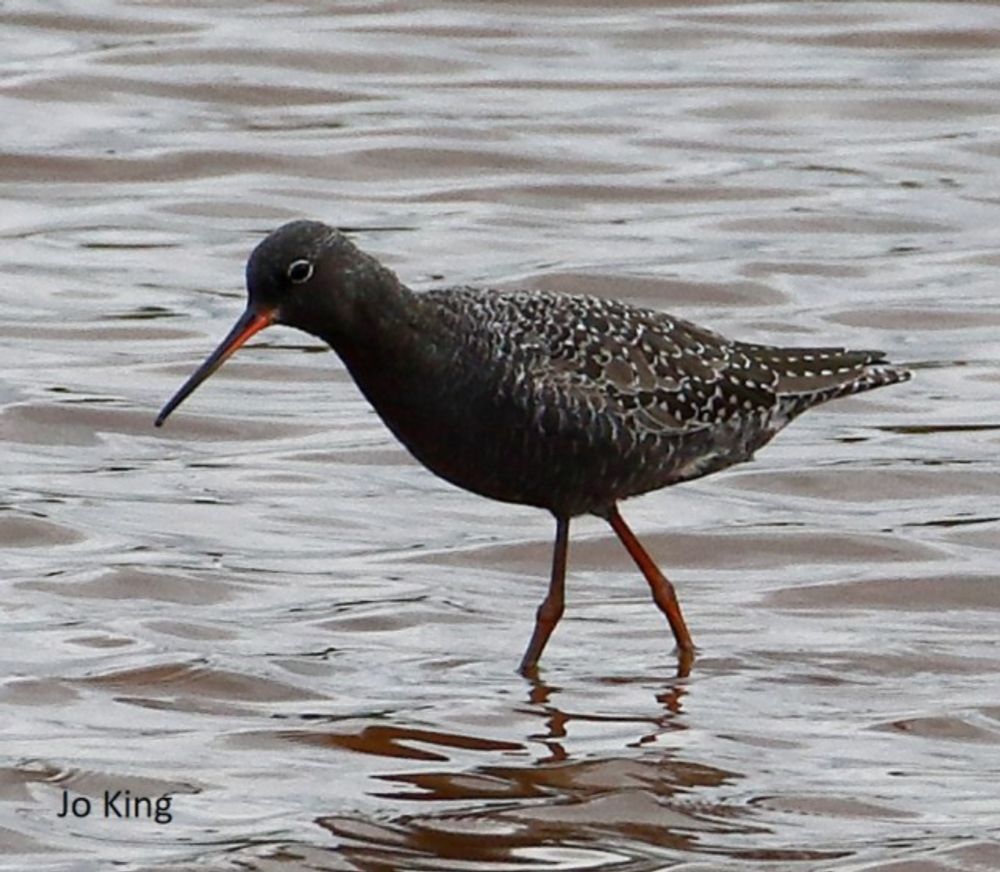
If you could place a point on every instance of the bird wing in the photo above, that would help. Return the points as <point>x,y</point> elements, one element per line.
<point>657,372</point>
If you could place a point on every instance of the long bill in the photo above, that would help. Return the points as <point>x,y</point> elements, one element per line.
<point>250,323</point>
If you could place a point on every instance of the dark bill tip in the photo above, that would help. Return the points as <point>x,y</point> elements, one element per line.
<point>250,323</point>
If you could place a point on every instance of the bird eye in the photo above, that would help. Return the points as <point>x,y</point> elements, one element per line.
<point>300,271</point>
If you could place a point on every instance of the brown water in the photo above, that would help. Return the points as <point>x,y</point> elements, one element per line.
<point>269,612</point>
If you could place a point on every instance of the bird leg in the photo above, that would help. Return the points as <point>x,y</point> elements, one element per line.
<point>551,609</point>
<point>662,589</point>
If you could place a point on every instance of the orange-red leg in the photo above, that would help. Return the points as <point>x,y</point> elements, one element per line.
<point>662,589</point>
<point>551,609</point>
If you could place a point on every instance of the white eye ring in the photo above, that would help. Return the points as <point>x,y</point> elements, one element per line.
<point>300,271</point>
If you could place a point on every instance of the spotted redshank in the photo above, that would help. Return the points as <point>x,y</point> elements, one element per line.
<point>565,402</point>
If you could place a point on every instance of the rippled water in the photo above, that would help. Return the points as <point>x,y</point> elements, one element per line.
<point>269,613</point>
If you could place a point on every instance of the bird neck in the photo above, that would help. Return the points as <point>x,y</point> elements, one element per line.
<point>378,323</point>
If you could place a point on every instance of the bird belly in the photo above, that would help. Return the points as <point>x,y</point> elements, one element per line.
<point>569,475</point>
<point>550,451</point>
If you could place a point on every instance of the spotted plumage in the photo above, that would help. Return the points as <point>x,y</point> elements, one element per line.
<point>573,402</point>
<point>565,402</point>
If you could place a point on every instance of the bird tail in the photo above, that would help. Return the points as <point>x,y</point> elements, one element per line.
<point>810,376</point>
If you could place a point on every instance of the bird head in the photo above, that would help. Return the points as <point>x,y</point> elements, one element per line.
<point>306,275</point>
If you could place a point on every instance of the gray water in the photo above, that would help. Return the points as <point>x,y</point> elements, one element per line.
<point>267,611</point>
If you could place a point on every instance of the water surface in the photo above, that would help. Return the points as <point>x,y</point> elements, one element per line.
<point>267,611</point>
